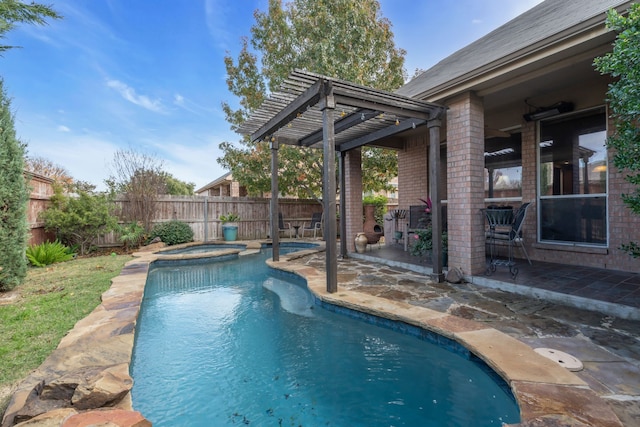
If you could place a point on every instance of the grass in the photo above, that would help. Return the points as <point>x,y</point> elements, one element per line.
<point>46,306</point>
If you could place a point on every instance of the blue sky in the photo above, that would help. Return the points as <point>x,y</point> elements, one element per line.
<point>149,74</point>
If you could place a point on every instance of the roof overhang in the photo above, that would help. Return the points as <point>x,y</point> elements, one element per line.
<point>363,116</point>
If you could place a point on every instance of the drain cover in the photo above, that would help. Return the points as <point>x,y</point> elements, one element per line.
<point>564,359</point>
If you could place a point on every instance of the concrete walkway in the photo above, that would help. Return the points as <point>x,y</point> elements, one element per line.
<point>608,347</point>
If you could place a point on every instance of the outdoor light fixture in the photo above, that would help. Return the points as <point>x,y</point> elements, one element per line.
<point>544,112</point>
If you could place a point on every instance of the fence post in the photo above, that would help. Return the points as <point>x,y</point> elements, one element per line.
<point>206,219</point>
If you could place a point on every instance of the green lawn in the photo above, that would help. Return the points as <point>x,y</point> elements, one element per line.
<point>46,306</point>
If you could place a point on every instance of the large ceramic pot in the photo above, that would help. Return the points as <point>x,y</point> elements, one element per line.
<point>361,242</point>
<point>230,232</point>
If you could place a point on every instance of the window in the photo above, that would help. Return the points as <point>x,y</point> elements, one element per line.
<point>503,167</point>
<point>573,179</point>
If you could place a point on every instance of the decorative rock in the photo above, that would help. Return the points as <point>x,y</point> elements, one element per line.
<point>454,275</point>
<point>107,387</point>
<point>62,388</point>
<point>53,418</point>
<point>107,418</point>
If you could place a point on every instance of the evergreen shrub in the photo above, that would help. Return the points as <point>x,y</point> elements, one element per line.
<point>172,232</point>
<point>14,196</point>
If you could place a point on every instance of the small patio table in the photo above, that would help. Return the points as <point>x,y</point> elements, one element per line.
<point>296,228</point>
<point>499,217</point>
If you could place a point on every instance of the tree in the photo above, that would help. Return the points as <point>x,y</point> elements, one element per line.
<point>78,219</point>
<point>176,187</point>
<point>138,176</point>
<point>14,196</point>
<point>623,64</point>
<point>46,167</point>
<point>15,11</point>
<point>141,179</point>
<point>343,38</point>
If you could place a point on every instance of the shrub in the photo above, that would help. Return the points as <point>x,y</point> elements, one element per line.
<point>79,218</point>
<point>14,196</point>
<point>131,235</point>
<point>422,242</point>
<point>48,253</point>
<point>172,232</point>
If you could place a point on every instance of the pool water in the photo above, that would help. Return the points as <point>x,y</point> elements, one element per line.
<point>223,343</point>
<point>206,247</point>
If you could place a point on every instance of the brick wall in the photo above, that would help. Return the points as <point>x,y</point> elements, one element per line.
<point>412,171</point>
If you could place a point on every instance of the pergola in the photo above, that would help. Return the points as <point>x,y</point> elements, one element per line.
<point>312,110</point>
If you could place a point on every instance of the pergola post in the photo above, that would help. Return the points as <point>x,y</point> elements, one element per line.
<point>436,211</point>
<point>273,207</point>
<point>343,206</point>
<point>327,107</point>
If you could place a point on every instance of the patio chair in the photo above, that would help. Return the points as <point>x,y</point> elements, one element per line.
<point>315,225</point>
<point>284,226</point>
<point>514,235</point>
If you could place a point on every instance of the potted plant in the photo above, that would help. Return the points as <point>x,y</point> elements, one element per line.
<point>230,226</point>
<point>423,243</point>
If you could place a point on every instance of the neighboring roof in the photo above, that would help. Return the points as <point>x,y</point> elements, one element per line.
<point>551,20</point>
<point>363,115</point>
<point>224,178</point>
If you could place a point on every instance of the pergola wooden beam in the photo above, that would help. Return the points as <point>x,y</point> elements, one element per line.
<point>382,133</point>
<point>303,114</point>
<point>308,98</point>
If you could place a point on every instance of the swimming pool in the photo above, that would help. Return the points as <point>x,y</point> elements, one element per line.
<point>232,342</point>
<point>213,247</point>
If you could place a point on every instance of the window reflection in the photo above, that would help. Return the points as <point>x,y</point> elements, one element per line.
<point>503,167</point>
<point>573,178</point>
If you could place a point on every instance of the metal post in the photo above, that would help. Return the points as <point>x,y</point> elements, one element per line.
<point>436,212</point>
<point>275,232</point>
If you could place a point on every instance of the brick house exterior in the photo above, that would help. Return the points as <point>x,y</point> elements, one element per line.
<point>541,58</point>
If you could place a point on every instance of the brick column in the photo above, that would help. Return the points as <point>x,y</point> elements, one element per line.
<point>465,180</point>
<point>353,192</point>
<point>529,186</point>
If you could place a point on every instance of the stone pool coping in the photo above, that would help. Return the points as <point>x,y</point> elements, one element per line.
<point>91,363</point>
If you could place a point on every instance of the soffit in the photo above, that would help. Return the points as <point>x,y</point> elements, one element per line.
<point>363,116</point>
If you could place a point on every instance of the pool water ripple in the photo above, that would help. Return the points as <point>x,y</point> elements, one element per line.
<point>245,347</point>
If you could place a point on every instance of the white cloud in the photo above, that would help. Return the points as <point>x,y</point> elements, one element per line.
<point>178,100</point>
<point>476,21</point>
<point>63,128</point>
<point>130,95</point>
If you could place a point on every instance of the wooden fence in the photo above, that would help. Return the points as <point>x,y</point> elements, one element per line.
<point>203,213</point>
<point>41,192</point>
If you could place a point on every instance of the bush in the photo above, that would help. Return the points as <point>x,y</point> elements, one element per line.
<point>48,253</point>
<point>14,196</point>
<point>131,235</point>
<point>172,232</point>
<point>79,218</point>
